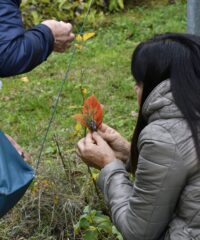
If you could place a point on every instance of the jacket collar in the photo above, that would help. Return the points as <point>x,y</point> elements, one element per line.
<point>160,103</point>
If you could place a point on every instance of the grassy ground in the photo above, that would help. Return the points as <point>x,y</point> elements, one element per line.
<point>63,187</point>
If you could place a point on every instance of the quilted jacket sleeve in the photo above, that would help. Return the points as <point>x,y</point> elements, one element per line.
<point>142,211</point>
<point>21,50</point>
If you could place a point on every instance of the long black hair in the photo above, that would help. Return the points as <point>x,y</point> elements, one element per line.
<point>174,56</point>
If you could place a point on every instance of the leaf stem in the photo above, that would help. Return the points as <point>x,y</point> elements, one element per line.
<point>85,132</point>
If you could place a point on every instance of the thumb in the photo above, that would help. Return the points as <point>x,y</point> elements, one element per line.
<point>107,136</point>
<point>103,127</point>
<point>97,138</point>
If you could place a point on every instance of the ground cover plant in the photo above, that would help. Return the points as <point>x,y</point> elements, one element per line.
<point>53,206</point>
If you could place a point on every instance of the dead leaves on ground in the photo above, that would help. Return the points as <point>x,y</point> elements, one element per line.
<point>81,38</point>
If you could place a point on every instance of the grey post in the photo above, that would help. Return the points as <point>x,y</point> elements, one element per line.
<point>193,17</point>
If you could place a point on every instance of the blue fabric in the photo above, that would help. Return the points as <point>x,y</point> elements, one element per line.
<point>15,175</point>
<point>21,50</point>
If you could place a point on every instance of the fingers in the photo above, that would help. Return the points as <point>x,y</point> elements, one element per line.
<point>61,47</point>
<point>67,26</point>
<point>106,129</point>
<point>18,148</point>
<point>97,138</point>
<point>80,145</point>
<point>107,133</point>
<point>84,143</point>
<point>62,33</point>
<point>104,132</point>
<point>88,139</point>
<point>94,151</point>
<point>70,37</point>
<point>103,127</point>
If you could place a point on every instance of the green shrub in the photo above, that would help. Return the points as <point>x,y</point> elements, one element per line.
<point>94,225</point>
<point>34,11</point>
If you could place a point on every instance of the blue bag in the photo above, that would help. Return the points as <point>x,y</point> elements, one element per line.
<point>15,175</point>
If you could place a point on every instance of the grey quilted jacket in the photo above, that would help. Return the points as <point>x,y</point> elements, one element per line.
<point>164,201</point>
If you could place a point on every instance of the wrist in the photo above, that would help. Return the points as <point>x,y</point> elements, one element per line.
<point>114,161</point>
<point>108,160</point>
<point>51,25</point>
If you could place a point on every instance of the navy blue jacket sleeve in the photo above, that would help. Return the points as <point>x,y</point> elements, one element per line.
<point>21,50</point>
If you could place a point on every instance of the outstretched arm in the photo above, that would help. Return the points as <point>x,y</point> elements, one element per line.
<point>21,50</point>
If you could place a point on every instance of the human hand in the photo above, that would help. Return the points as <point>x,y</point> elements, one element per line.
<point>21,152</point>
<point>62,33</point>
<point>119,144</point>
<point>94,151</point>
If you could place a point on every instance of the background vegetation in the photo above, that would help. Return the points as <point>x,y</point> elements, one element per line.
<point>53,206</point>
<point>34,11</point>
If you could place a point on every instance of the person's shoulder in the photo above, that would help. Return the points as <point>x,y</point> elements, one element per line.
<point>156,145</point>
<point>156,132</point>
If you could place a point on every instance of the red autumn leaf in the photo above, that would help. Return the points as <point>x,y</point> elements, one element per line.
<point>92,114</point>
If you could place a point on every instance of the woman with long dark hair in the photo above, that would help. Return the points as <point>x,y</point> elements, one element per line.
<point>164,200</point>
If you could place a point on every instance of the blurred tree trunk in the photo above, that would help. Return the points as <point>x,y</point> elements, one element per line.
<point>171,1</point>
<point>193,17</point>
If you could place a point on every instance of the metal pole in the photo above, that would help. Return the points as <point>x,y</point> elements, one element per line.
<point>193,17</point>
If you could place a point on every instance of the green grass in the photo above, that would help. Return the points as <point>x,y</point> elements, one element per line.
<point>51,207</point>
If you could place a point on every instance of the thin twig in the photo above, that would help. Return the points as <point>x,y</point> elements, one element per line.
<point>39,208</point>
<point>69,175</point>
<point>94,182</point>
<point>61,157</point>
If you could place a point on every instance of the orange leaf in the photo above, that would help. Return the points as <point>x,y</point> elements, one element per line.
<point>92,114</point>
<point>80,118</point>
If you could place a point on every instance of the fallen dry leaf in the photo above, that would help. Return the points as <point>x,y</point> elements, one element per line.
<point>25,79</point>
<point>84,37</point>
<point>79,46</point>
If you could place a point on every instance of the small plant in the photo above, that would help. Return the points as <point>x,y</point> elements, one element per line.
<point>94,225</point>
<point>115,5</point>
